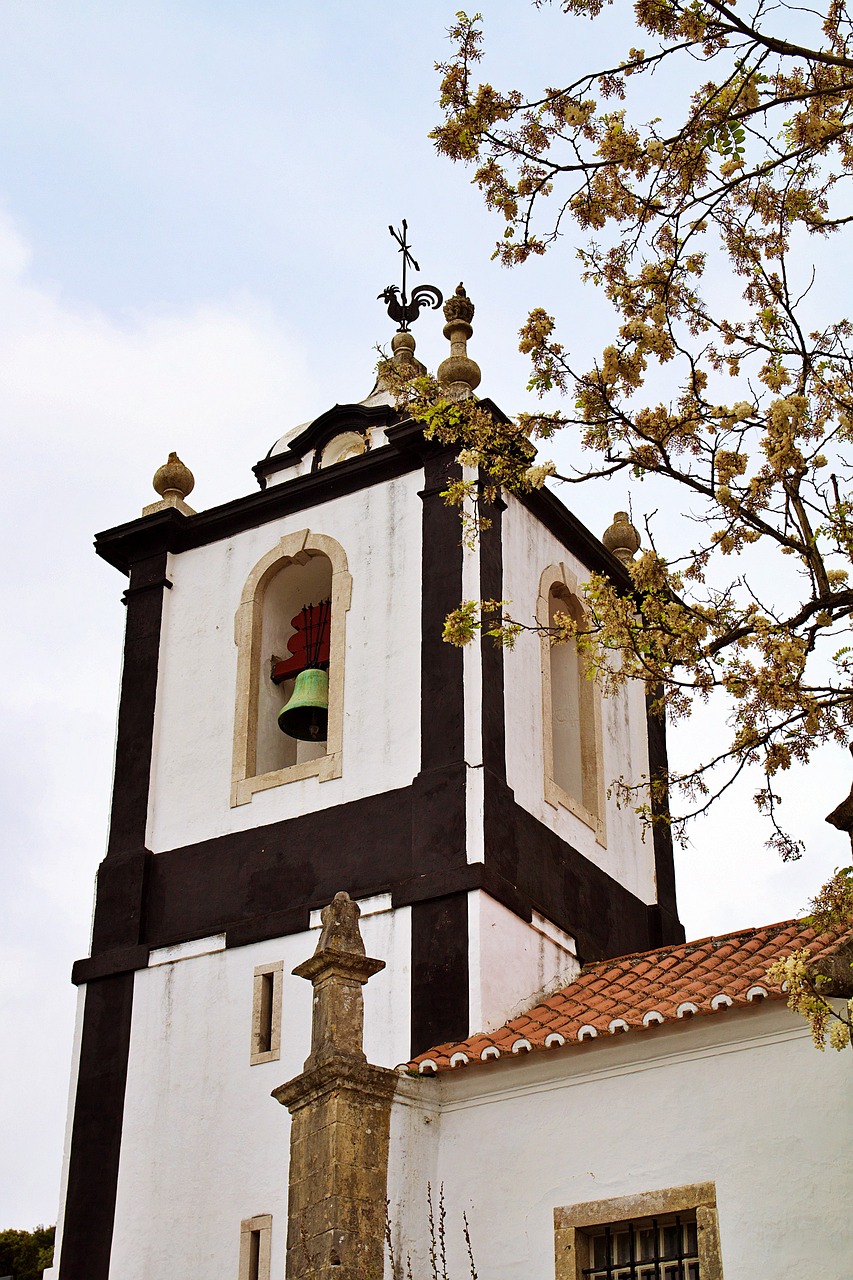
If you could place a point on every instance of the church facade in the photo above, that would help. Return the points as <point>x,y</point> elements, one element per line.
<point>460,797</point>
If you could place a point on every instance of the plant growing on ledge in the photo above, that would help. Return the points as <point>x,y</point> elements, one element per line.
<point>810,990</point>
<point>437,1243</point>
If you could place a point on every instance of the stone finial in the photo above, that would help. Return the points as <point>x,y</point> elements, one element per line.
<point>338,970</point>
<point>459,374</point>
<point>173,481</point>
<point>340,930</point>
<point>403,347</point>
<point>621,539</point>
<point>404,360</point>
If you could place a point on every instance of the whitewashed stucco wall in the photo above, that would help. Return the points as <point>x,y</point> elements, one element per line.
<point>380,531</point>
<point>203,1143</point>
<point>511,962</point>
<point>741,1099</point>
<point>529,548</point>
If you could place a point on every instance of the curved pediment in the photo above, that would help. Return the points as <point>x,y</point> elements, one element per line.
<point>348,423</point>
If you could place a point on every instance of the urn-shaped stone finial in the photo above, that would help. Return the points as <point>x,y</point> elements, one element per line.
<point>173,481</point>
<point>403,347</point>
<point>459,374</point>
<point>173,477</point>
<point>621,539</point>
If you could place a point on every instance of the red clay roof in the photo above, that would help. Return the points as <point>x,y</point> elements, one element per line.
<point>641,990</point>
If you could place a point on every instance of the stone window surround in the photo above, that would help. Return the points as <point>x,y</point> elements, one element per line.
<point>293,548</point>
<point>562,577</point>
<point>261,1225</point>
<point>573,1225</point>
<point>272,1054</point>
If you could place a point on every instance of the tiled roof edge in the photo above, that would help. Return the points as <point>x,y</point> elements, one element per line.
<point>544,1026</point>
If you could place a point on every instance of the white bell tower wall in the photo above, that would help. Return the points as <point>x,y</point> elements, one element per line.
<point>379,529</point>
<point>617,842</point>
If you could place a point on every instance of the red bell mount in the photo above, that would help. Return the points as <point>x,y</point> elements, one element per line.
<point>309,644</point>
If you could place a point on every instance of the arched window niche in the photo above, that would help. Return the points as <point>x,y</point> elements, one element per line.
<point>302,569</point>
<point>571,710</point>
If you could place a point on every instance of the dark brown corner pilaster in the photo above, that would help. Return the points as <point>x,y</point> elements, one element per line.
<point>442,692</point>
<point>491,653</point>
<point>341,1109</point>
<point>144,600</point>
<point>96,1130</point>
<point>664,925</point>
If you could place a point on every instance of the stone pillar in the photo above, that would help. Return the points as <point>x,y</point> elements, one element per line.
<point>341,1111</point>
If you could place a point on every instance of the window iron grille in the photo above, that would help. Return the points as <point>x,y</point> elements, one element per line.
<point>649,1250</point>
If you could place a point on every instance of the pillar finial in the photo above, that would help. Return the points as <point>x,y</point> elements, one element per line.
<point>459,374</point>
<point>173,481</point>
<point>621,539</point>
<point>338,970</point>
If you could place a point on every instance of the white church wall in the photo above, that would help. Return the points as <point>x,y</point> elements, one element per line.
<point>742,1100</point>
<point>529,548</point>
<point>380,531</point>
<point>511,961</point>
<point>203,1143</point>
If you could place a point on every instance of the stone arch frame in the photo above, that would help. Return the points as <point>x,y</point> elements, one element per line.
<point>293,548</point>
<point>561,577</point>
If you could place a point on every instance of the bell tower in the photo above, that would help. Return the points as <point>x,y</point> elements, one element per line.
<point>458,795</point>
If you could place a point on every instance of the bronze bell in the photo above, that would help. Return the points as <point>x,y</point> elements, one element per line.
<point>306,714</point>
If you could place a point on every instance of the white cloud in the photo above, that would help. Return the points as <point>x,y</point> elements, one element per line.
<point>88,409</point>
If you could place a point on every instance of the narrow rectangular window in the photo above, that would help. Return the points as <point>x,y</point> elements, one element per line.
<point>265,1022</point>
<point>255,1245</point>
<point>266,1013</point>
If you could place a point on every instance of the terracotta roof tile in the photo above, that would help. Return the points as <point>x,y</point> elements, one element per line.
<point>650,982</point>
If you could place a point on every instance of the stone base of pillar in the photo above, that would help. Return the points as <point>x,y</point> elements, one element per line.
<point>338,1169</point>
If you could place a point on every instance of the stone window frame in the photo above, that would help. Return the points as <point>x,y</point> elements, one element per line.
<point>561,576</point>
<point>293,548</point>
<point>574,1224</point>
<point>260,1225</point>
<point>273,1053</point>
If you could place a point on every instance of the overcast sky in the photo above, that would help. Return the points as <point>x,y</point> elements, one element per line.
<point>194,202</point>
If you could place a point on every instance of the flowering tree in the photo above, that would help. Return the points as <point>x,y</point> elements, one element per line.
<point>743,406</point>
<point>808,988</point>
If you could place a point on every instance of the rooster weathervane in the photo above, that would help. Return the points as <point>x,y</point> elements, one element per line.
<point>401,308</point>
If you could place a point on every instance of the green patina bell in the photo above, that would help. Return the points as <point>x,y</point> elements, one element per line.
<point>306,715</point>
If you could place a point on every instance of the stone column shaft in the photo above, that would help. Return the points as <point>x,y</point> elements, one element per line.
<point>341,1116</point>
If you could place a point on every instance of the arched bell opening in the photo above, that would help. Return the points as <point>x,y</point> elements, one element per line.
<point>572,709</point>
<point>571,712</point>
<point>300,585</point>
<point>297,606</point>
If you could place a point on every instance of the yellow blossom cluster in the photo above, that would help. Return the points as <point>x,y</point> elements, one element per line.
<point>827,1021</point>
